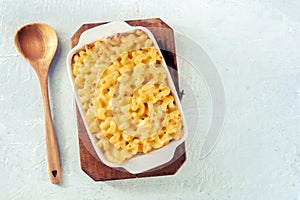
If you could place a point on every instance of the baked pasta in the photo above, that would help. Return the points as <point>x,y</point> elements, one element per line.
<point>125,96</point>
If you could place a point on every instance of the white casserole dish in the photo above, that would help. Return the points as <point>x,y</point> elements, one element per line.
<point>138,163</point>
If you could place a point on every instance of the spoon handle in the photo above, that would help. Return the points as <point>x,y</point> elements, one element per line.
<point>54,168</point>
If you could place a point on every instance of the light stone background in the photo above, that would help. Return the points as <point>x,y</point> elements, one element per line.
<point>255,47</point>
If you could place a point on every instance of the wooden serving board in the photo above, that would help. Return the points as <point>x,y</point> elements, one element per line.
<point>90,163</point>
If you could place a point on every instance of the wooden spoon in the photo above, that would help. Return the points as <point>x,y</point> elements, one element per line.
<point>37,43</point>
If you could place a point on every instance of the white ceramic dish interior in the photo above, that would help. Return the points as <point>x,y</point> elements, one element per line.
<point>139,163</point>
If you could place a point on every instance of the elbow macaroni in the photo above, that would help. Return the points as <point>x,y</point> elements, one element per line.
<point>125,97</point>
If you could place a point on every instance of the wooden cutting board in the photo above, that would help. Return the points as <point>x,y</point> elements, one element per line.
<point>90,163</point>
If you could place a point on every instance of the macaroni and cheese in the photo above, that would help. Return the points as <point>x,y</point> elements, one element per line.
<point>125,96</point>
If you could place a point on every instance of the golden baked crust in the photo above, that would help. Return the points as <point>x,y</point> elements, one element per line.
<point>125,96</point>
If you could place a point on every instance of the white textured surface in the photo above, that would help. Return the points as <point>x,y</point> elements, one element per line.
<point>255,47</point>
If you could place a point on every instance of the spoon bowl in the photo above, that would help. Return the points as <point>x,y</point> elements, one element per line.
<point>37,43</point>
